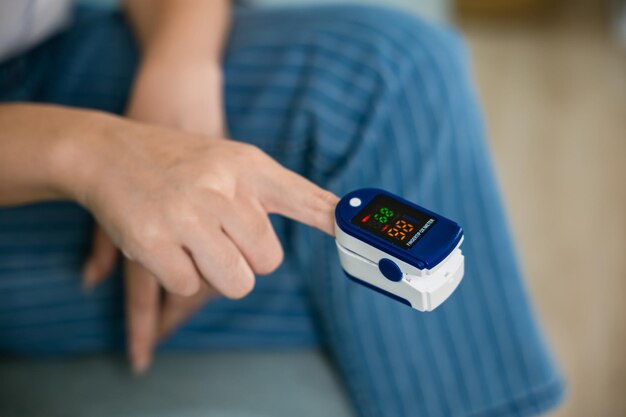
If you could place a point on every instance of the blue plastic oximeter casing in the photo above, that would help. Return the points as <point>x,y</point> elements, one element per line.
<point>398,248</point>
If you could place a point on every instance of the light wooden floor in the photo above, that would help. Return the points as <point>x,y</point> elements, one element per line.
<point>555,98</point>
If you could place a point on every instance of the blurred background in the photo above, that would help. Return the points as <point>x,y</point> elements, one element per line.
<point>552,77</point>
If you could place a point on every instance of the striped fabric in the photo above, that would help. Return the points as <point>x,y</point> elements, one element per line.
<point>350,97</point>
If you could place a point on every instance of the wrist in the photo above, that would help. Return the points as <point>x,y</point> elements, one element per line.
<point>162,51</point>
<point>185,94</point>
<point>169,68</point>
<point>78,153</point>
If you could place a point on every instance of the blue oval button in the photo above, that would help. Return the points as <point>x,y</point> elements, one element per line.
<point>390,270</point>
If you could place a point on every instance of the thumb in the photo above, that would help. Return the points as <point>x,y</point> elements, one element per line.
<point>101,260</point>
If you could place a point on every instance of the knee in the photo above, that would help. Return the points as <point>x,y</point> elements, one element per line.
<point>415,75</point>
<point>397,43</point>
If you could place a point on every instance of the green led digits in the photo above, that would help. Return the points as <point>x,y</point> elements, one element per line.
<point>383,215</point>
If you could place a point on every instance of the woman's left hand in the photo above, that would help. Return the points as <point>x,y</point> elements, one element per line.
<point>186,96</point>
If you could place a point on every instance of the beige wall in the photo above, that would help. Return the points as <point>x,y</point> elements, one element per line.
<point>555,97</point>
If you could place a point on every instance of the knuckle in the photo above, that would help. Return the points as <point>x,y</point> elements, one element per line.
<point>185,286</point>
<point>329,197</point>
<point>239,283</point>
<point>251,150</point>
<point>252,154</point>
<point>241,286</point>
<point>325,197</point>
<point>149,235</point>
<point>322,207</point>
<point>267,255</point>
<point>269,260</point>
<point>219,202</point>
<point>258,227</point>
<point>187,215</point>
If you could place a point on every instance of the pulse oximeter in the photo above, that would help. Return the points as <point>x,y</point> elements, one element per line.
<point>398,248</point>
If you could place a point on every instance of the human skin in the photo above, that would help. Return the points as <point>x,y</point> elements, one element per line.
<point>179,85</point>
<point>184,208</point>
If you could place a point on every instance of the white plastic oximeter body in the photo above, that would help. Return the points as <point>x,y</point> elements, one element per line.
<point>398,248</point>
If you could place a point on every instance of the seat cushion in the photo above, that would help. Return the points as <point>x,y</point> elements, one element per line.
<point>180,384</point>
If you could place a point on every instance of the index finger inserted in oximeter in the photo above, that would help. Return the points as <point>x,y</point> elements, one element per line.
<point>398,248</point>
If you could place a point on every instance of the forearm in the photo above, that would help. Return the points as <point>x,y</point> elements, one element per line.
<point>39,151</point>
<point>180,29</point>
<point>179,82</point>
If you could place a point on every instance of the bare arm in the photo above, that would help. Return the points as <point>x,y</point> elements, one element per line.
<point>179,82</point>
<point>34,143</point>
<point>184,28</point>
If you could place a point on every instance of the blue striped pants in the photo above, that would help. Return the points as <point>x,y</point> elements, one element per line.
<point>349,97</point>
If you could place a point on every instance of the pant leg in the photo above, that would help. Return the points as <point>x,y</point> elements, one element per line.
<point>373,98</point>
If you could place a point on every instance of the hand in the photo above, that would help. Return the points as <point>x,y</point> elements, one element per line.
<point>190,209</point>
<point>176,203</point>
<point>185,94</point>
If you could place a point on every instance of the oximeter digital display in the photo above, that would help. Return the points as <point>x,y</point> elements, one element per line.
<point>394,221</point>
<point>398,248</point>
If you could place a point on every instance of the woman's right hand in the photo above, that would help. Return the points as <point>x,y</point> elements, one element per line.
<point>190,209</point>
